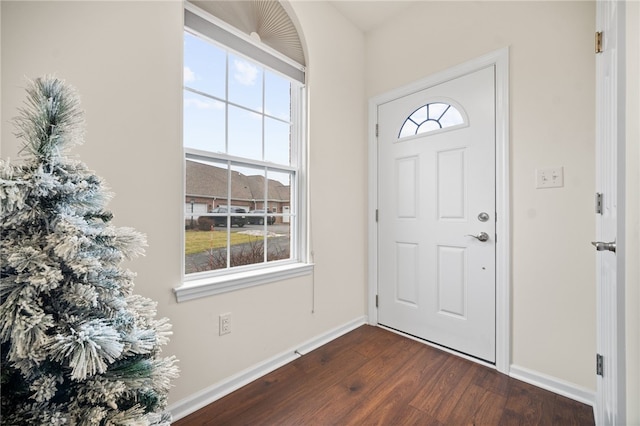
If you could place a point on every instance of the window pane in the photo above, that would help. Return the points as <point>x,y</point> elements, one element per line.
<point>436,110</point>
<point>279,241</point>
<point>240,190</point>
<point>206,182</point>
<point>279,193</point>
<point>280,184</point>
<point>428,126</point>
<point>245,133</point>
<point>277,139</point>
<point>247,245</point>
<point>420,115</point>
<point>203,125</point>
<point>204,66</point>
<point>451,118</point>
<point>206,189</point>
<point>245,83</point>
<point>277,96</point>
<point>408,129</point>
<point>253,179</point>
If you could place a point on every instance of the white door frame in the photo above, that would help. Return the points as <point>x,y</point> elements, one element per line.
<point>500,59</point>
<point>611,131</point>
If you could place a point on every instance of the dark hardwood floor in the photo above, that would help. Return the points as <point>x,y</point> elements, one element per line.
<point>371,376</point>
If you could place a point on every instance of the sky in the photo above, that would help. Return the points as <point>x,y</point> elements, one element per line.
<point>252,89</point>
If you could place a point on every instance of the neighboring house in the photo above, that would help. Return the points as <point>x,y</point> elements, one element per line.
<point>207,186</point>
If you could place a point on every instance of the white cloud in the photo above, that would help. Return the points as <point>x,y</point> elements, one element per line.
<point>189,76</point>
<point>246,73</point>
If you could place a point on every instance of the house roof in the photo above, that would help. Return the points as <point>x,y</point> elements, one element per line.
<point>205,180</point>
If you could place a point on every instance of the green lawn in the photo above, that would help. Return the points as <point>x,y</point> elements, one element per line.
<point>200,241</point>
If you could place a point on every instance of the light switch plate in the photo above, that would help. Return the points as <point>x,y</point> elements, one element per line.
<point>550,177</point>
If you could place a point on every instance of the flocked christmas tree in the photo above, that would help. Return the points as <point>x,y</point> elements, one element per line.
<point>78,347</point>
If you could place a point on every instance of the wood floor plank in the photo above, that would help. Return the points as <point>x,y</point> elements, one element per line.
<point>511,418</point>
<point>495,382</point>
<point>254,394</point>
<point>477,406</point>
<point>491,409</point>
<point>320,370</point>
<point>535,406</point>
<point>404,415</point>
<point>568,412</point>
<point>392,396</point>
<point>339,400</point>
<point>372,345</point>
<point>306,389</point>
<point>451,399</point>
<point>371,376</point>
<point>434,398</point>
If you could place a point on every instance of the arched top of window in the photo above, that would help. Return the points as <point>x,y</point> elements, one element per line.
<point>264,20</point>
<point>431,117</point>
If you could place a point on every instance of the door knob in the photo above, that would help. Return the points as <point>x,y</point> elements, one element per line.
<point>600,246</point>
<point>483,236</point>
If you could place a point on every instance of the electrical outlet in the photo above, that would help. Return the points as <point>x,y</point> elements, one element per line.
<point>225,323</point>
<point>552,177</point>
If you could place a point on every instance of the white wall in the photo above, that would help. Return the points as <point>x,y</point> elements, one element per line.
<point>552,124</point>
<point>125,58</point>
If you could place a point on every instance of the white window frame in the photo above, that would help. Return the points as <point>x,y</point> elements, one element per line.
<point>209,283</point>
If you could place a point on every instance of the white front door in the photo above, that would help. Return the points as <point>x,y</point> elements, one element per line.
<point>610,394</point>
<point>436,214</point>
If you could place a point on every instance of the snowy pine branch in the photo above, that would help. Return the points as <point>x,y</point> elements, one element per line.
<point>51,121</point>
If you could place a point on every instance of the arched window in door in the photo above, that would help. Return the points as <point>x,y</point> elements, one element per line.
<point>431,117</point>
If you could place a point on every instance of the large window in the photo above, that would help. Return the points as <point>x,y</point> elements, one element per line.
<point>244,157</point>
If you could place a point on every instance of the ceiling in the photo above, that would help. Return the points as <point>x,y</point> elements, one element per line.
<point>368,14</point>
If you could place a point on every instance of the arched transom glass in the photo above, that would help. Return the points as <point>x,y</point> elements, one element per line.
<point>431,117</point>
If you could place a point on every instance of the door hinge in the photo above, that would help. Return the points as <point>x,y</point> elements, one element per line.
<point>376,215</point>
<point>599,365</point>
<point>599,42</point>
<point>598,202</point>
<point>376,130</point>
<point>376,300</point>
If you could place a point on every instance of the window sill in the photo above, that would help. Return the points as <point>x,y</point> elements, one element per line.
<point>210,286</point>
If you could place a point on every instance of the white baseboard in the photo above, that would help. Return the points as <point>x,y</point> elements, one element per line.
<point>553,384</point>
<point>205,397</point>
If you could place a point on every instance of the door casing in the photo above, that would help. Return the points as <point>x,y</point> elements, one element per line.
<point>499,59</point>
<point>611,399</point>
